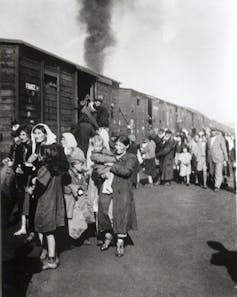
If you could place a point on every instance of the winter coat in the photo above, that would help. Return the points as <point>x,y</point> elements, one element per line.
<point>166,157</point>
<point>50,211</point>
<point>124,213</point>
<point>102,117</point>
<point>83,132</point>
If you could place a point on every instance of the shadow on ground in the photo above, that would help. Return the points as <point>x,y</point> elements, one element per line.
<point>224,257</point>
<point>18,271</point>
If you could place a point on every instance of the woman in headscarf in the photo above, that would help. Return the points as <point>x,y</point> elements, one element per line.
<point>69,143</point>
<point>50,163</point>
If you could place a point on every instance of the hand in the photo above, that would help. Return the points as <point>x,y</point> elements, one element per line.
<point>19,170</point>
<point>34,180</point>
<point>225,163</point>
<point>32,158</point>
<point>29,190</point>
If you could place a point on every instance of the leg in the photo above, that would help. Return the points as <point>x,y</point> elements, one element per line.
<point>53,260</point>
<point>188,179</point>
<point>120,245</point>
<point>104,222</point>
<point>204,173</point>
<point>218,175</point>
<point>23,226</point>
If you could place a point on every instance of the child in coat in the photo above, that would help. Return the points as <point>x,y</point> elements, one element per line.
<point>185,164</point>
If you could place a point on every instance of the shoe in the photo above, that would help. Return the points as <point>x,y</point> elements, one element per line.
<point>51,264</point>
<point>86,242</point>
<point>99,242</point>
<point>108,238</point>
<point>30,237</point>
<point>43,255</point>
<point>204,187</point>
<point>22,231</point>
<point>187,185</point>
<point>120,248</point>
<point>216,190</point>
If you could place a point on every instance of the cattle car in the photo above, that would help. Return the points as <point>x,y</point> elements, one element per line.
<point>132,113</point>
<point>37,86</point>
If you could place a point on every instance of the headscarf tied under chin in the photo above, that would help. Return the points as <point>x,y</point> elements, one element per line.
<point>50,138</point>
<point>69,142</point>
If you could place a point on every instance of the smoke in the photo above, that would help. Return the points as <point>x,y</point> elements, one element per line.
<point>96,15</point>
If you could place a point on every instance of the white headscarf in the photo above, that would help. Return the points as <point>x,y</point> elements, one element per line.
<point>50,139</point>
<point>70,140</point>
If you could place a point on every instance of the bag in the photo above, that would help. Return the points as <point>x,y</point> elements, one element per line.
<point>77,225</point>
<point>7,180</point>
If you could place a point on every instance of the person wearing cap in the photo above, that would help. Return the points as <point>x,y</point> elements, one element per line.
<point>166,157</point>
<point>218,157</point>
<point>76,197</point>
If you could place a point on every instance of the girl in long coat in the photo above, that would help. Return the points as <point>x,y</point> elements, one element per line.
<point>51,163</point>
<point>124,213</point>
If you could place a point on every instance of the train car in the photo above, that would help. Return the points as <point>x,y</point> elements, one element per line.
<point>38,86</point>
<point>132,113</point>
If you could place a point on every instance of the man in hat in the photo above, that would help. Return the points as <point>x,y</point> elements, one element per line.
<point>218,157</point>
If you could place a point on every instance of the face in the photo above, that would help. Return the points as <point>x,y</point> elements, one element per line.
<point>213,132</point>
<point>98,147</point>
<point>17,140</point>
<point>185,150</point>
<point>78,166</point>
<point>120,148</point>
<point>23,136</point>
<point>39,136</point>
<point>196,137</point>
<point>167,136</point>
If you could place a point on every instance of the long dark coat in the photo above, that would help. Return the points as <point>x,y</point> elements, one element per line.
<point>124,213</point>
<point>166,157</point>
<point>83,132</point>
<point>50,210</point>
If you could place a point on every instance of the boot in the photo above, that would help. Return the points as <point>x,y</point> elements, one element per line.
<point>120,248</point>
<point>107,242</point>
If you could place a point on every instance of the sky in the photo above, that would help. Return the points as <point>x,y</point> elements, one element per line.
<point>182,51</point>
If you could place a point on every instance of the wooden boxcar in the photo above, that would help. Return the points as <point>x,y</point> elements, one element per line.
<point>37,86</point>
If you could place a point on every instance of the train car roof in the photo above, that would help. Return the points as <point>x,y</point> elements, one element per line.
<point>77,66</point>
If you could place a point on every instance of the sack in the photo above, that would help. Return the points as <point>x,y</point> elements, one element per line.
<point>77,225</point>
<point>7,180</point>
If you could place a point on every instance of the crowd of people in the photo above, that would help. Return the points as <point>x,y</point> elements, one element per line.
<point>85,180</point>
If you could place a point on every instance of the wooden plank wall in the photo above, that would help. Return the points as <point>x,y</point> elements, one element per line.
<point>29,101</point>
<point>67,100</point>
<point>8,93</point>
<point>142,117</point>
<point>155,114</point>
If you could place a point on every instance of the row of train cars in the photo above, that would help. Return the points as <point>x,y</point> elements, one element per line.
<point>38,86</point>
